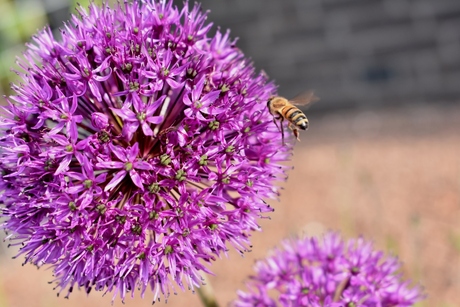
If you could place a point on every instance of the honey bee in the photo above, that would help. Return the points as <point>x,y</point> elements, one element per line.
<point>283,109</point>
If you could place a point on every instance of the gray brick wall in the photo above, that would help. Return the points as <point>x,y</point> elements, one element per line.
<point>351,52</point>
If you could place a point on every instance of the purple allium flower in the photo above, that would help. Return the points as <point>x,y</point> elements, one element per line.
<point>135,149</point>
<point>331,273</point>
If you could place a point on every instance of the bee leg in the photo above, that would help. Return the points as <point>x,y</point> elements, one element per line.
<point>282,131</point>
<point>295,131</point>
<point>275,120</point>
<point>280,127</point>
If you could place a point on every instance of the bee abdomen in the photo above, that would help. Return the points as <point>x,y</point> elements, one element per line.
<point>293,114</point>
<point>302,122</point>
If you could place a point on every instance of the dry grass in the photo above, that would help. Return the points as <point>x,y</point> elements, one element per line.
<point>392,176</point>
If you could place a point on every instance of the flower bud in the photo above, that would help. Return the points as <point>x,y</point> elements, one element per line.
<point>99,120</point>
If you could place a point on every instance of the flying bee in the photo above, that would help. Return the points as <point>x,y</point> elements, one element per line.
<point>283,109</point>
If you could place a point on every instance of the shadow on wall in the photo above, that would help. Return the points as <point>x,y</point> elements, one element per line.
<point>351,52</point>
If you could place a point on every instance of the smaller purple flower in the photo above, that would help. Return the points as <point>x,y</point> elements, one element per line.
<point>64,149</point>
<point>88,182</point>
<point>85,72</point>
<point>331,273</point>
<point>143,116</point>
<point>128,164</point>
<point>201,105</point>
<point>165,71</point>
<point>64,116</point>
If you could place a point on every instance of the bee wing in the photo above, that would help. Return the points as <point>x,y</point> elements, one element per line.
<point>304,99</point>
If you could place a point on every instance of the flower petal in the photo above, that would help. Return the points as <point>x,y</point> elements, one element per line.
<point>155,119</point>
<point>74,105</point>
<point>94,87</point>
<point>152,107</point>
<point>146,129</point>
<point>142,165</point>
<point>103,78</point>
<point>132,152</point>
<point>56,129</point>
<point>72,130</point>
<point>136,179</point>
<point>75,189</point>
<point>125,113</point>
<point>110,165</point>
<point>115,180</point>
<point>64,165</point>
<point>129,129</point>
<point>119,152</point>
<point>86,200</point>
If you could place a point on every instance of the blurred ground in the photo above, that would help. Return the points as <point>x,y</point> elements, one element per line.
<point>391,175</point>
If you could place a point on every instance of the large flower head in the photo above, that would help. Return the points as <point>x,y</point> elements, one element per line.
<point>135,149</point>
<point>328,273</point>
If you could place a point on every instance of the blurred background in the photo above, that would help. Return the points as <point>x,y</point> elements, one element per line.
<point>382,156</point>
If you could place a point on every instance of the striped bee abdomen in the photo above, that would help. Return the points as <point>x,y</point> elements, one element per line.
<point>302,122</point>
<point>295,116</point>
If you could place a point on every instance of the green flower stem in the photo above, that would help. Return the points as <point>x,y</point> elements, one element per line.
<point>206,293</point>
